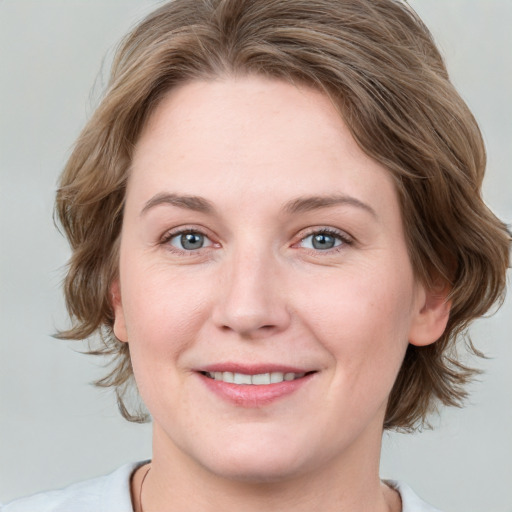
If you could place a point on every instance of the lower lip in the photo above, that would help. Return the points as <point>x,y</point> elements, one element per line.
<point>250,395</point>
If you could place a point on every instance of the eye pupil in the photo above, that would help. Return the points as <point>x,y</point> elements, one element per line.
<point>323,241</point>
<point>192,241</point>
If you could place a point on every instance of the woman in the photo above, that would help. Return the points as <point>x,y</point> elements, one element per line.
<point>277,228</point>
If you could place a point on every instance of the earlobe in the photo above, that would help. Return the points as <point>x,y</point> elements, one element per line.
<point>119,326</point>
<point>431,317</point>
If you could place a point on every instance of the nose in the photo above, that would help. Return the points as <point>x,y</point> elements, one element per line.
<point>252,296</point>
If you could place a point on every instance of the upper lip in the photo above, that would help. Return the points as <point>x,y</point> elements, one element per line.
<point>253,369</point>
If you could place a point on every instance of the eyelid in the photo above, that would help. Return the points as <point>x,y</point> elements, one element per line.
<point>343,236</point>
<point>181,230</point>
<point>178,236</point>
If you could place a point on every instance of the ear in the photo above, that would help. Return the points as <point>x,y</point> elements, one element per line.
<point>119,326</point>
<point>431,315</point>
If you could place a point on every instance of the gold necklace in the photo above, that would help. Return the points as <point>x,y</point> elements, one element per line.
<point>141,484</point>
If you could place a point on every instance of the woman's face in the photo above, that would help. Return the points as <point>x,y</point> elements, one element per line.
<point>260,244</point>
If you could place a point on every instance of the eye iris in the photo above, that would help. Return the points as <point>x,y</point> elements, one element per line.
<point>192,241</point>
<point>323,241</point>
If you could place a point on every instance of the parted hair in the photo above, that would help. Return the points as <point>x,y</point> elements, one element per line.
<point>378,63</point>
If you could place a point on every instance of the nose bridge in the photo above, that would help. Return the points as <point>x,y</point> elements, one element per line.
<point>252,300</point>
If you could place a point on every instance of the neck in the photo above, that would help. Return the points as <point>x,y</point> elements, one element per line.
<point>176,482</point>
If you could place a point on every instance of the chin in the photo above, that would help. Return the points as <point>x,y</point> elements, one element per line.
<point>267,468</point>
<point>252,458</point>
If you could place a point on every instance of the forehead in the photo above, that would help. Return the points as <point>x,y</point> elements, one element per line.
<point>253,137</point>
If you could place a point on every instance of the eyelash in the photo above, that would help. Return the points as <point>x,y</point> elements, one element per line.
<point>167,237</point>
<point>345,240</point>
<point>341,236</point>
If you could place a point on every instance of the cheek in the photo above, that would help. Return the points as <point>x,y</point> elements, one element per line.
<point>363,319</point>
<point>163,312</point>
<point>164,315</point>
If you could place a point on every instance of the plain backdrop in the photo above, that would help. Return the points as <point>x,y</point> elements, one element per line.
<point>55,428</point>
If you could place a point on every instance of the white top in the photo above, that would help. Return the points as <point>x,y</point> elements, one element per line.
<point>111,493</point>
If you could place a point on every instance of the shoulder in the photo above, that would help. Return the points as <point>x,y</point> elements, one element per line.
<point>110,493</point>
<point>410,501</point>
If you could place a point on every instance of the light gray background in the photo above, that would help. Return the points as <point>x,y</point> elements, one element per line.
<point>54,427</point>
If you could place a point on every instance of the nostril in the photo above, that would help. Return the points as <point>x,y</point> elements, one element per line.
<point>250,330</point>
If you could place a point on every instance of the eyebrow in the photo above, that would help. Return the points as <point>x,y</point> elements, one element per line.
<point>310,203</point>
<point>299,205</point>
<point>194,203</point>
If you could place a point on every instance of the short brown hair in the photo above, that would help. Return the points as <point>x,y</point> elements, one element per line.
<point>378,63</point>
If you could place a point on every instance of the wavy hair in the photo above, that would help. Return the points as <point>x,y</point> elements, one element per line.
<point>378,63</point>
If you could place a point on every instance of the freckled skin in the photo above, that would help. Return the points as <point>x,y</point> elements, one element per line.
<point>259,291</point>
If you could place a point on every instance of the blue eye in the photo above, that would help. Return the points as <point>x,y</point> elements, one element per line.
<point>322,241</point>
<point>190,241</point>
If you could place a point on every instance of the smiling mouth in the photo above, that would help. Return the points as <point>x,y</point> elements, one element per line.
<point>260,379</point>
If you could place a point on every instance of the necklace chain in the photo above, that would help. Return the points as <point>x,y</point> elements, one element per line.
<point>141,484</point>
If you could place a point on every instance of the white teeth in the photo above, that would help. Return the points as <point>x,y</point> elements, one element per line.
<point>241,378</point>
<point>226,377</point>
<point>260,379</point>
<point>276,377</point>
